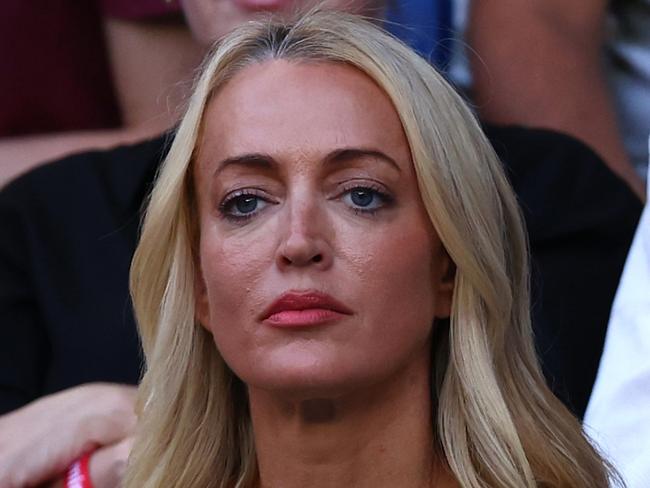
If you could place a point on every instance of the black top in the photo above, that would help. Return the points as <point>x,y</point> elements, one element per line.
<point>69,230</point>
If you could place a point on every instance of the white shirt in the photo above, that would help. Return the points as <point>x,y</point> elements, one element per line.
<point>627,58</point>
<point>618,414</point>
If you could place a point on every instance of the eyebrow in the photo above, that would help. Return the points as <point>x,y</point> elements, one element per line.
<point>338,156</point>
<point>259,160</point>
<point>349,154</point>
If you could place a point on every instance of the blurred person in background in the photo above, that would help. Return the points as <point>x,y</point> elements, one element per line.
<point>83,75</point>
<point>582,68</point>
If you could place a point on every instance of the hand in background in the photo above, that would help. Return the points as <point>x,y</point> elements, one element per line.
<point>108,464</point>
<point>39,441</point>
<point>106,467</point>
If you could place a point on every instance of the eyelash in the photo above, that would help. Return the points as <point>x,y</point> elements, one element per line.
<point>385,198</point>
<point>230,199</point>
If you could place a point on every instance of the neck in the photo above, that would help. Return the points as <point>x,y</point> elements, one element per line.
<point>376,437</point>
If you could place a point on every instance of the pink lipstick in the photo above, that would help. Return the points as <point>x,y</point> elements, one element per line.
<point>264,5</point>
<point>304,309</point>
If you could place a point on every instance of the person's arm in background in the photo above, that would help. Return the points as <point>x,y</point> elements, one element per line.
<point>539,63</point>
<point>152,63</point>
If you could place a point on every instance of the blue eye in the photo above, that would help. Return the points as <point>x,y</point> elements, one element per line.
<point>365,199</point>
<point>242,205</point>
<point>362,197</point>
<point>245,203</point>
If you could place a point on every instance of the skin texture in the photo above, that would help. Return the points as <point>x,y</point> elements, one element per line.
<point>346,401</point>
<point>539,63</point>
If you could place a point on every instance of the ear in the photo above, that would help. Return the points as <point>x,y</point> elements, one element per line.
<point>201,303</point>
<point>445,289</point>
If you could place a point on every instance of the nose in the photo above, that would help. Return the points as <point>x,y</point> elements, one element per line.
<point>305,237</point>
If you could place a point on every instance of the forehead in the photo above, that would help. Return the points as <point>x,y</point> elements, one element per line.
<point>284,106</point>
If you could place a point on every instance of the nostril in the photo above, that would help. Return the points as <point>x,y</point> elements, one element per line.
<point>301,259</point>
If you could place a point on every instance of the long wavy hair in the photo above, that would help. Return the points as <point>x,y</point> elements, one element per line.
<point>497,423</point>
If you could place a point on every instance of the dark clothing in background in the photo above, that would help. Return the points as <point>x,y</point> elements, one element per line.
<point>69,230</point>
<point>68,233</point>
<point>55,70</point>
<point>581,220</point>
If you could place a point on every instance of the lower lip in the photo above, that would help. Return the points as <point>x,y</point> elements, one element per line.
<point>303,318</point>
<point>267,5</point>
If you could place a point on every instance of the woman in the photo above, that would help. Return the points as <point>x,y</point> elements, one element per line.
<point>331,284</point>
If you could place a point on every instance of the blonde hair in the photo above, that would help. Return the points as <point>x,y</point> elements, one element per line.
<point>498,424</point>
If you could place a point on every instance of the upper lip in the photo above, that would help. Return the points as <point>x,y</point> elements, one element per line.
<point>304,300</point>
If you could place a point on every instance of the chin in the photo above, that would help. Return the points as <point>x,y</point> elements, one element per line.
<point>296,372</point>
<point>312,369</point>
<point>309,378</point>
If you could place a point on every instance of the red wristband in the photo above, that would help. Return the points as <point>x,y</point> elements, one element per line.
<point>78,475</point>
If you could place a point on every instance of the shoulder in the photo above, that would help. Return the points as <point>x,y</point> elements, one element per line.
<point>62,208</point>
<point>563,186</point>
<point>115,178</point>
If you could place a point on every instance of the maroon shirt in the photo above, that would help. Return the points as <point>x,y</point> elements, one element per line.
<point>54,70</point>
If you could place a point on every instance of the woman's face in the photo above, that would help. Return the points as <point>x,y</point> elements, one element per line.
<point>319,269</point>
<point>211,19</point>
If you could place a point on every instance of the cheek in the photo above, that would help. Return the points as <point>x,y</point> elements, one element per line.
<point>232,270</point>
<point>396,260</point>
<point>397,276</point>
